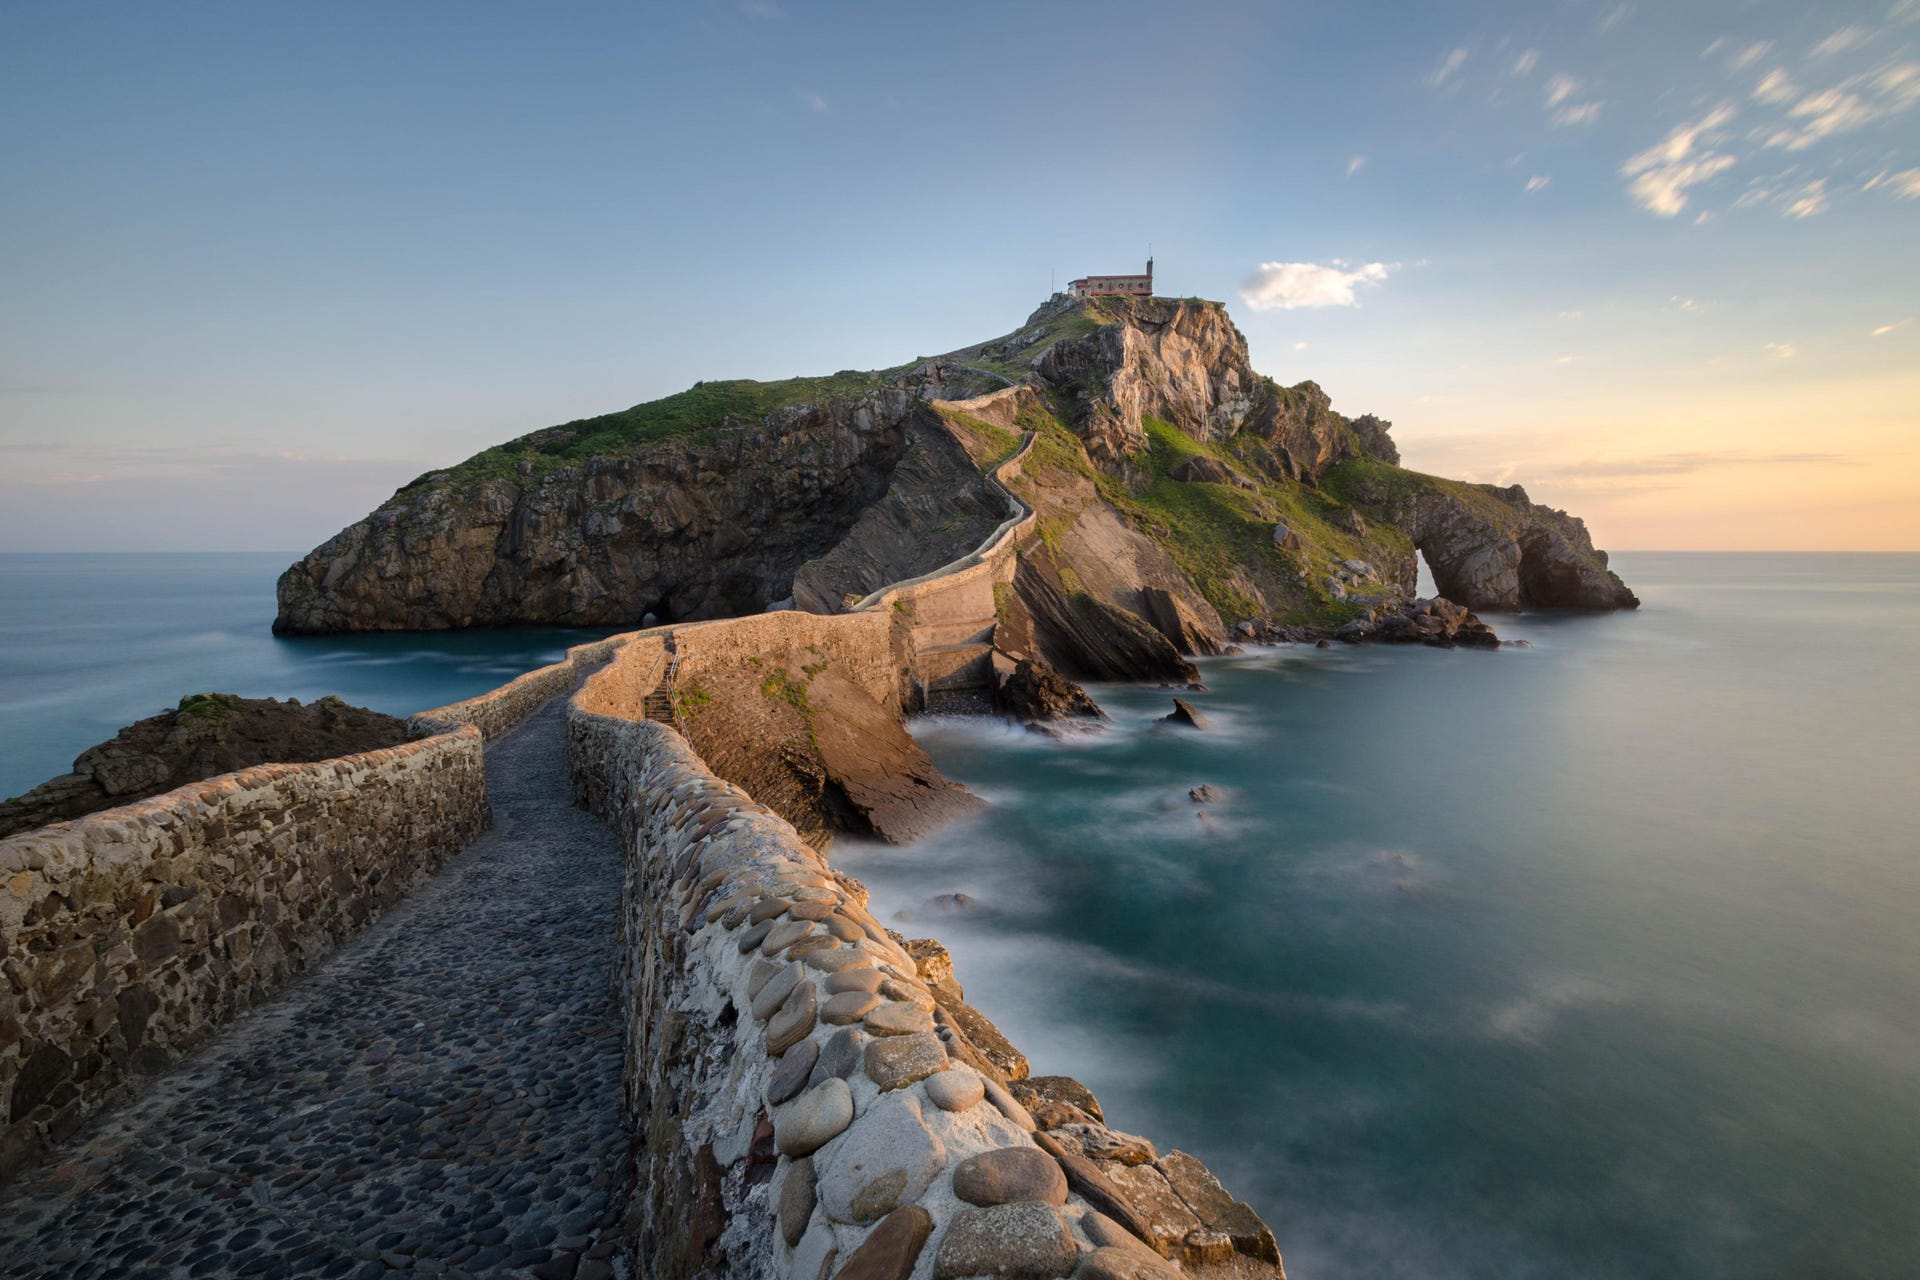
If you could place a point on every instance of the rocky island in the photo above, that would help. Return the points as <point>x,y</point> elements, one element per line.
<point>1161,499</point>
<point>1175,484</point>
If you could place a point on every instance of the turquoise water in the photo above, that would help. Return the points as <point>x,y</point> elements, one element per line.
<point>1595,959</point>
<point>89,643</point>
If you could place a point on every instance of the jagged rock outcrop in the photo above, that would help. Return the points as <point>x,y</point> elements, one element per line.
<point>1439,623</point>
<point>1032,690</point>
<point>206,735</point>
<point>1181,624</point>
<point>821,752</point>
<point>1374,439</point>
<point>1184,361</point>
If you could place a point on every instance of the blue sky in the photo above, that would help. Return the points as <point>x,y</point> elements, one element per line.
<point>261,265</point>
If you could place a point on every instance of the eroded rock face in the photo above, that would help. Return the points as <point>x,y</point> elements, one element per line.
<point>679,529</point>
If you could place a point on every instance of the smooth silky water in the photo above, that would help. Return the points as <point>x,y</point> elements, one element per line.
<point>1599,958</point>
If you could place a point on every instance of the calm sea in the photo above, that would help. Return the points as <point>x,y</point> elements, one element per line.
<point>1595,959</point>
<point>90,643</point>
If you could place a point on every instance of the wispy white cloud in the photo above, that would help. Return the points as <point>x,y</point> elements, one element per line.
<point>1687,304</point>
<point>1664,174</point>
<point>1449,68</point>
<point>1807,200</point>
<point>1613,17</point>
<point>1355,165</point>
<point>1572,315</point>
<point>1822,115</point>
<point>1845,40</point>
<point>1793,195</point>
<point>1886,329</point>
<point>1539,182</point>
<point>1285,286</point>
<point>815,103</point>
<point>1905,184</point>
<point>1562,110</point>
<point>1775,87</point>
<point>1781,350</point>
<point>1676,464</point>
<point>1575,114</point>
<point>1525,61</point>
<point>1748,54</point>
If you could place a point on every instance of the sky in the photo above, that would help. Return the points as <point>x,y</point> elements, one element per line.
<point>262,264</point>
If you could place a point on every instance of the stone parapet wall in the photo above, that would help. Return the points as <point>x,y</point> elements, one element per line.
<point>499,710</point>
<point>130,934</point>
<point>804,1104</point>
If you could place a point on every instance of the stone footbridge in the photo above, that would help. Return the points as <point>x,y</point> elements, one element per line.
<point>441,1097</point>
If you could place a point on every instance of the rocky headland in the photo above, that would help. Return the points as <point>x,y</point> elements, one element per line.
<point>205,735</point>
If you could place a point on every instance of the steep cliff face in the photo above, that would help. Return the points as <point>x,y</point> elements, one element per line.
<point>1174,484</point>
<point>937,507</point>
<point>695,527</point>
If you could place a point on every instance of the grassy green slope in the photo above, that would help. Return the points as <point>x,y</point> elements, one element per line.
<point>691,415</point>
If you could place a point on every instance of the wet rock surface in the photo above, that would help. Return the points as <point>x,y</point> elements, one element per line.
<point>442,1096</point>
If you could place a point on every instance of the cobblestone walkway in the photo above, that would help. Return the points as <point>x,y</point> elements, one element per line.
<point>441,1097</point>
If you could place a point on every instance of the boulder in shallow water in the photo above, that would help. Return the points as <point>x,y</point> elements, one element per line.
<point>1035,691</point>
<point>1185,716</point>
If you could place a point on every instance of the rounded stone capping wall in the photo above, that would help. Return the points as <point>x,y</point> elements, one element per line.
<point>804,1104</point>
